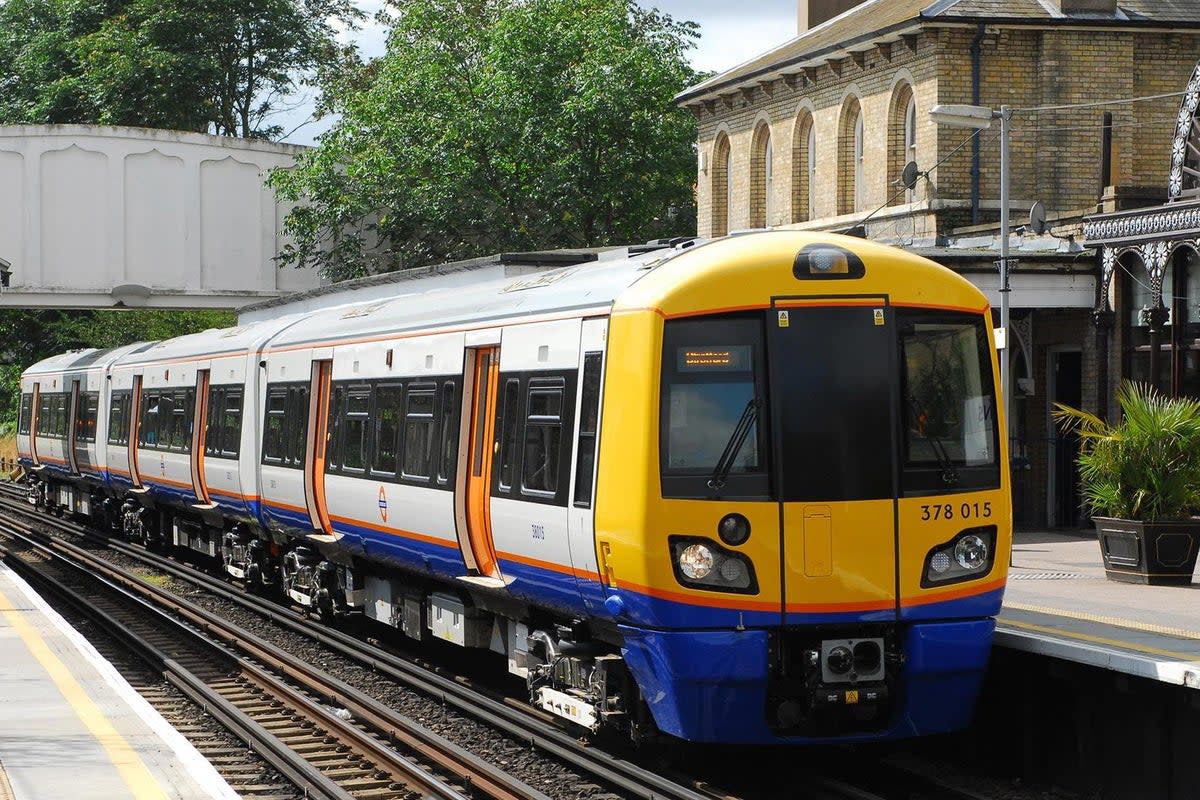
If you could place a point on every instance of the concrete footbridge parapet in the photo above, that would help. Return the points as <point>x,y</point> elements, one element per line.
<point>97,217</point>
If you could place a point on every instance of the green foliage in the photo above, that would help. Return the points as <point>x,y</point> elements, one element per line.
<point>30,336</point>
<point>500,125</point>
<point>219,66</point>
<point>1145,467</point>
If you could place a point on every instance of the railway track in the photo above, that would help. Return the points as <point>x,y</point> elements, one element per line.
<point>524,724</point>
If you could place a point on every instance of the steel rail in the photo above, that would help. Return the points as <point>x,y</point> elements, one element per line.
<point>413,776</point>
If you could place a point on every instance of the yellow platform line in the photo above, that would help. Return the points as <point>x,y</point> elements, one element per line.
<point>129,765</point>
<point>1119,622</point>
<point>1102,640</point>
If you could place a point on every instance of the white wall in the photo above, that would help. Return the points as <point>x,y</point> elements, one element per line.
<point>183,220</point>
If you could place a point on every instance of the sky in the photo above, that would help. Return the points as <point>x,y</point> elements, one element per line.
<point>731,32</point>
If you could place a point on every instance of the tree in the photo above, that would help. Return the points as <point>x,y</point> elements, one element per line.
<point>30,336</point>
<point>217,66</point>
<point>499,124</point>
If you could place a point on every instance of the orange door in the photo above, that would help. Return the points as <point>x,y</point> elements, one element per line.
<point>200,437</point>
<point>135,428</point>
<point>479,464</point>
<point>315,445</point>
<point>73,427</point>
<point>35,419</point>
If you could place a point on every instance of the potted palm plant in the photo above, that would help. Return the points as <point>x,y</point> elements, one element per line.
<point>1141,479</point>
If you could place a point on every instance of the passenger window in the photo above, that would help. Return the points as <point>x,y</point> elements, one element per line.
<point>589,419</point>
<point>26,417</point>
<point>274,425</point>
<point>418,432</point>
<point>450,425</point>
<point>543,437</point>
<point>118,418</point>
<point>85,421</point>
<point>387,429</point>
<point>507,433</point>
<point>297,425</point>
<point>354,443</point>
<point>148,430</point>
<point>333,452</point>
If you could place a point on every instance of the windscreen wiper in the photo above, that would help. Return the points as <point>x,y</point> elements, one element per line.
<point>734,445</point>
<point>949,473</point>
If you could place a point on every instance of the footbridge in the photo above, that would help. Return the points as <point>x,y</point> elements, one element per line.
<point>101,217</point>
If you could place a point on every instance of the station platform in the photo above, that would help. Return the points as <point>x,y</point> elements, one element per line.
<point>70,725</point>
<point>1059,603</point>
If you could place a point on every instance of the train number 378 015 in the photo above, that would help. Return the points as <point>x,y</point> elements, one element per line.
<point>951,511</point>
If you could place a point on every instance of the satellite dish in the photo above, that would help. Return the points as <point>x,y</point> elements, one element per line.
<point>909,176</point>
<point>1037,218</point>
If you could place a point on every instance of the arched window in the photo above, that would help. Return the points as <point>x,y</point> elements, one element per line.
<point>850,155</point>
<point>804,162</point>
<point>858,164</point>
<point>902,142</point>
<point>721,186</point>
<point>760,176</point>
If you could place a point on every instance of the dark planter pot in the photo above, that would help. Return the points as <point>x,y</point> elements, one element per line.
<point>1160,553</point>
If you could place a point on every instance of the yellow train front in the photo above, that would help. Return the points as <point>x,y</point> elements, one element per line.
<point>803,513</point>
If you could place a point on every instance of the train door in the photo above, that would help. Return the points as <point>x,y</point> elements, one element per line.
<point>73,427</point>
<point>483,370</point>
<point>833,433</point>
<point>318,438</point>
<point>199,437</point>
<point>581,519</point>
<point>34,422</point>
<point>135,429</point>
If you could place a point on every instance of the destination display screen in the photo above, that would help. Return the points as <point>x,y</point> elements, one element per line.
<point>716,358</point>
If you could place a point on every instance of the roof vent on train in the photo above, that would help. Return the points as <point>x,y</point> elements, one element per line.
<point>827,262</point>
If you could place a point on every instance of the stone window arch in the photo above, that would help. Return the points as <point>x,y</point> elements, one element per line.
<point>850,157</point>
<point>902,141</point>
<point>804,167</point>
<point>722,185</point>
<point>762,176</point>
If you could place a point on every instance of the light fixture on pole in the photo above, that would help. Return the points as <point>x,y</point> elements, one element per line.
<point>980,118</point>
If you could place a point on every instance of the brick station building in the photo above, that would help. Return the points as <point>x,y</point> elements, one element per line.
<point>815,134</point>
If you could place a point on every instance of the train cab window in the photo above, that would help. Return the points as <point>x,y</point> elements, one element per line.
<point>712,417</point>
<point>589,418</point>
<point>507,433</point>
<point>418,430</point>
<point>543,437</point>
<point>387,429</point>
<point>25,420</point>
<point>85,420</point>
<point>949,436</point>
<point>449,418</point>
<point>118,418</point>
<point>224,435</point>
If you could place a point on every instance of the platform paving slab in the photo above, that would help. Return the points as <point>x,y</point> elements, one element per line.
<point>71,726</point>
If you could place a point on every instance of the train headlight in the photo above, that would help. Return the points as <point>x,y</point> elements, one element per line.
<point>696,561</point>
<point>703,564</point>
<point>967,556</point>
<point>971,553</point>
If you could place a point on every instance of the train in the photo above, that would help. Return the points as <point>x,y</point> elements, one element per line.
<point>747,490</point>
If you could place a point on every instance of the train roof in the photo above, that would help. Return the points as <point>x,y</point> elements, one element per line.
<point>80,360</point>
<point>212,343</point>
<point>578,289</point>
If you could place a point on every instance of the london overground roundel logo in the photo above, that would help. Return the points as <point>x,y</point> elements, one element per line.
<point>383,504</point>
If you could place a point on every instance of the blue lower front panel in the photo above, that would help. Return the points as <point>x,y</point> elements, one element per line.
<point>711,686</point>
